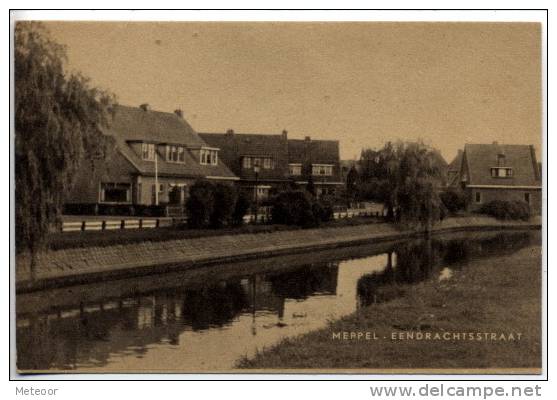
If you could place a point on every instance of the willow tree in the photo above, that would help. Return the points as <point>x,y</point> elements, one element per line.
<point>59,119</point>
<point>406,177</point>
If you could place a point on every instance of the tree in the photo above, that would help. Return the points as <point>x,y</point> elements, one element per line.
<point>225,198</point>
<point>200,204</point>
<point>59,119</point>
<point>351,184</point>
<point>406,178</point>
<point>241,207</point>
<point>310,187</point>
<point>294,207</point>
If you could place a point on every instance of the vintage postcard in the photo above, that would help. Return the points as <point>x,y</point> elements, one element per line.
<point>278,197</point>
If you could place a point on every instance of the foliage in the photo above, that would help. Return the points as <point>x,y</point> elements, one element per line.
<point>298,207</point>
<point>351,185</point>
<point>310,187</point>
<point>374,190</point>
<point>200,204</point>
<point>58,123</point>
<point>324,209</point>
<point>215,205</point>
<point>241,207</point>
<point>225,197</point>
<point>294,207</point>
<point>405,177</point>
<point>503,209</point>
<point>454,200</point>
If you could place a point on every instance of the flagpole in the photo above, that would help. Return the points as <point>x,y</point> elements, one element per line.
<point>156,180</point>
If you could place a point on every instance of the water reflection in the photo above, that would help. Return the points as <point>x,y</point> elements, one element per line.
<point>210,324</point>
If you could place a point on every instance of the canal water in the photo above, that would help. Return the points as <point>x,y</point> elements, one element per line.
<point>207,319</point>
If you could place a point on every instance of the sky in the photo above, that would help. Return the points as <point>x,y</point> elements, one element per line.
<point>360,83</point>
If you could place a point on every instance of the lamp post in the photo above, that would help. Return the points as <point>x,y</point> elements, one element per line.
<point>256,170</point>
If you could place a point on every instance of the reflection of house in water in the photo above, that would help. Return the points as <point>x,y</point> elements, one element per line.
<point>112,328</point>
<point>91,334</point>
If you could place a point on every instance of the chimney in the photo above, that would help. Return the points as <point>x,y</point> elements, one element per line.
<point>307,139</point>
<point>495,143</point>
<point>284,134</point>
<point>145,107</point>
<point>179,113</point>
<point>230,132</point>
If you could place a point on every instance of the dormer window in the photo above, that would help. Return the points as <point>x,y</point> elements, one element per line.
<point>208,157</point>
<point>175,154</point>
<point>322,170</point>
<point>148,151</point>
<point>263,162</point>
<point>501,172</point>
<point>295,169</point>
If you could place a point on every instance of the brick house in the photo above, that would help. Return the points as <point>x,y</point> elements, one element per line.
<point>499,172</point>
<point>156,157</point>
<point>318,160</point>
<point>280,162</point>
<point>259,160</point>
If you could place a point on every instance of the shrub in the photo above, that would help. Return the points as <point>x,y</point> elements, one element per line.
<point>225,197</point>
<point>326,212</point>
<point>200,204</point>
<point>241,207</point>
<point>298,207</point>
<point>293,207</point>
<point>503,209</point>
<point>453,200</point>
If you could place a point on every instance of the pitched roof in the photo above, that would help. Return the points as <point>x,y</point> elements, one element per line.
<point>313,151</point>
<point>480,158</point>
<point>131,124</point>
<point>236,145</point>
<point>456,162</point>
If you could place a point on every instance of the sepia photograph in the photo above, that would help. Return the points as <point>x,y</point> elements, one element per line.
<point>278,197</point>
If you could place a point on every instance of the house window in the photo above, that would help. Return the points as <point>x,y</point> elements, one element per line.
<point>246,162</point>
<point>148,151</point>
<point>115,192</point>
<point>257,162</point>
<point>175,154</point>
<point>208,157</point>
<point>295,169</point>
<point>322,170</point>
<point>267,163</point>
<point>478,197</point>
<point>501,172</point>
<point>500,160</point>
<point>527,197</point>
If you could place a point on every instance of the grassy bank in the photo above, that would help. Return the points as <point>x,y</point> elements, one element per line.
<point>499,295</point>
<point>67,240</point>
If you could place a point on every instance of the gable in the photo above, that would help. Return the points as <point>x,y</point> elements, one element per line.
<point>481,158</point>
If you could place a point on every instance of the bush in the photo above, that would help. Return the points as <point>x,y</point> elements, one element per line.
<point>241,207</point>
<point>293,207</point>
<point>297,207</point>
<point>200,204</point>
<point>224,203</point>
<point>502,209</point>
<point>215,205</point>
<point>453,200</point>
<point>326,212</point>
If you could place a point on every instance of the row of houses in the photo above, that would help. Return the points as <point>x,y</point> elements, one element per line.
<point>157,156</point>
